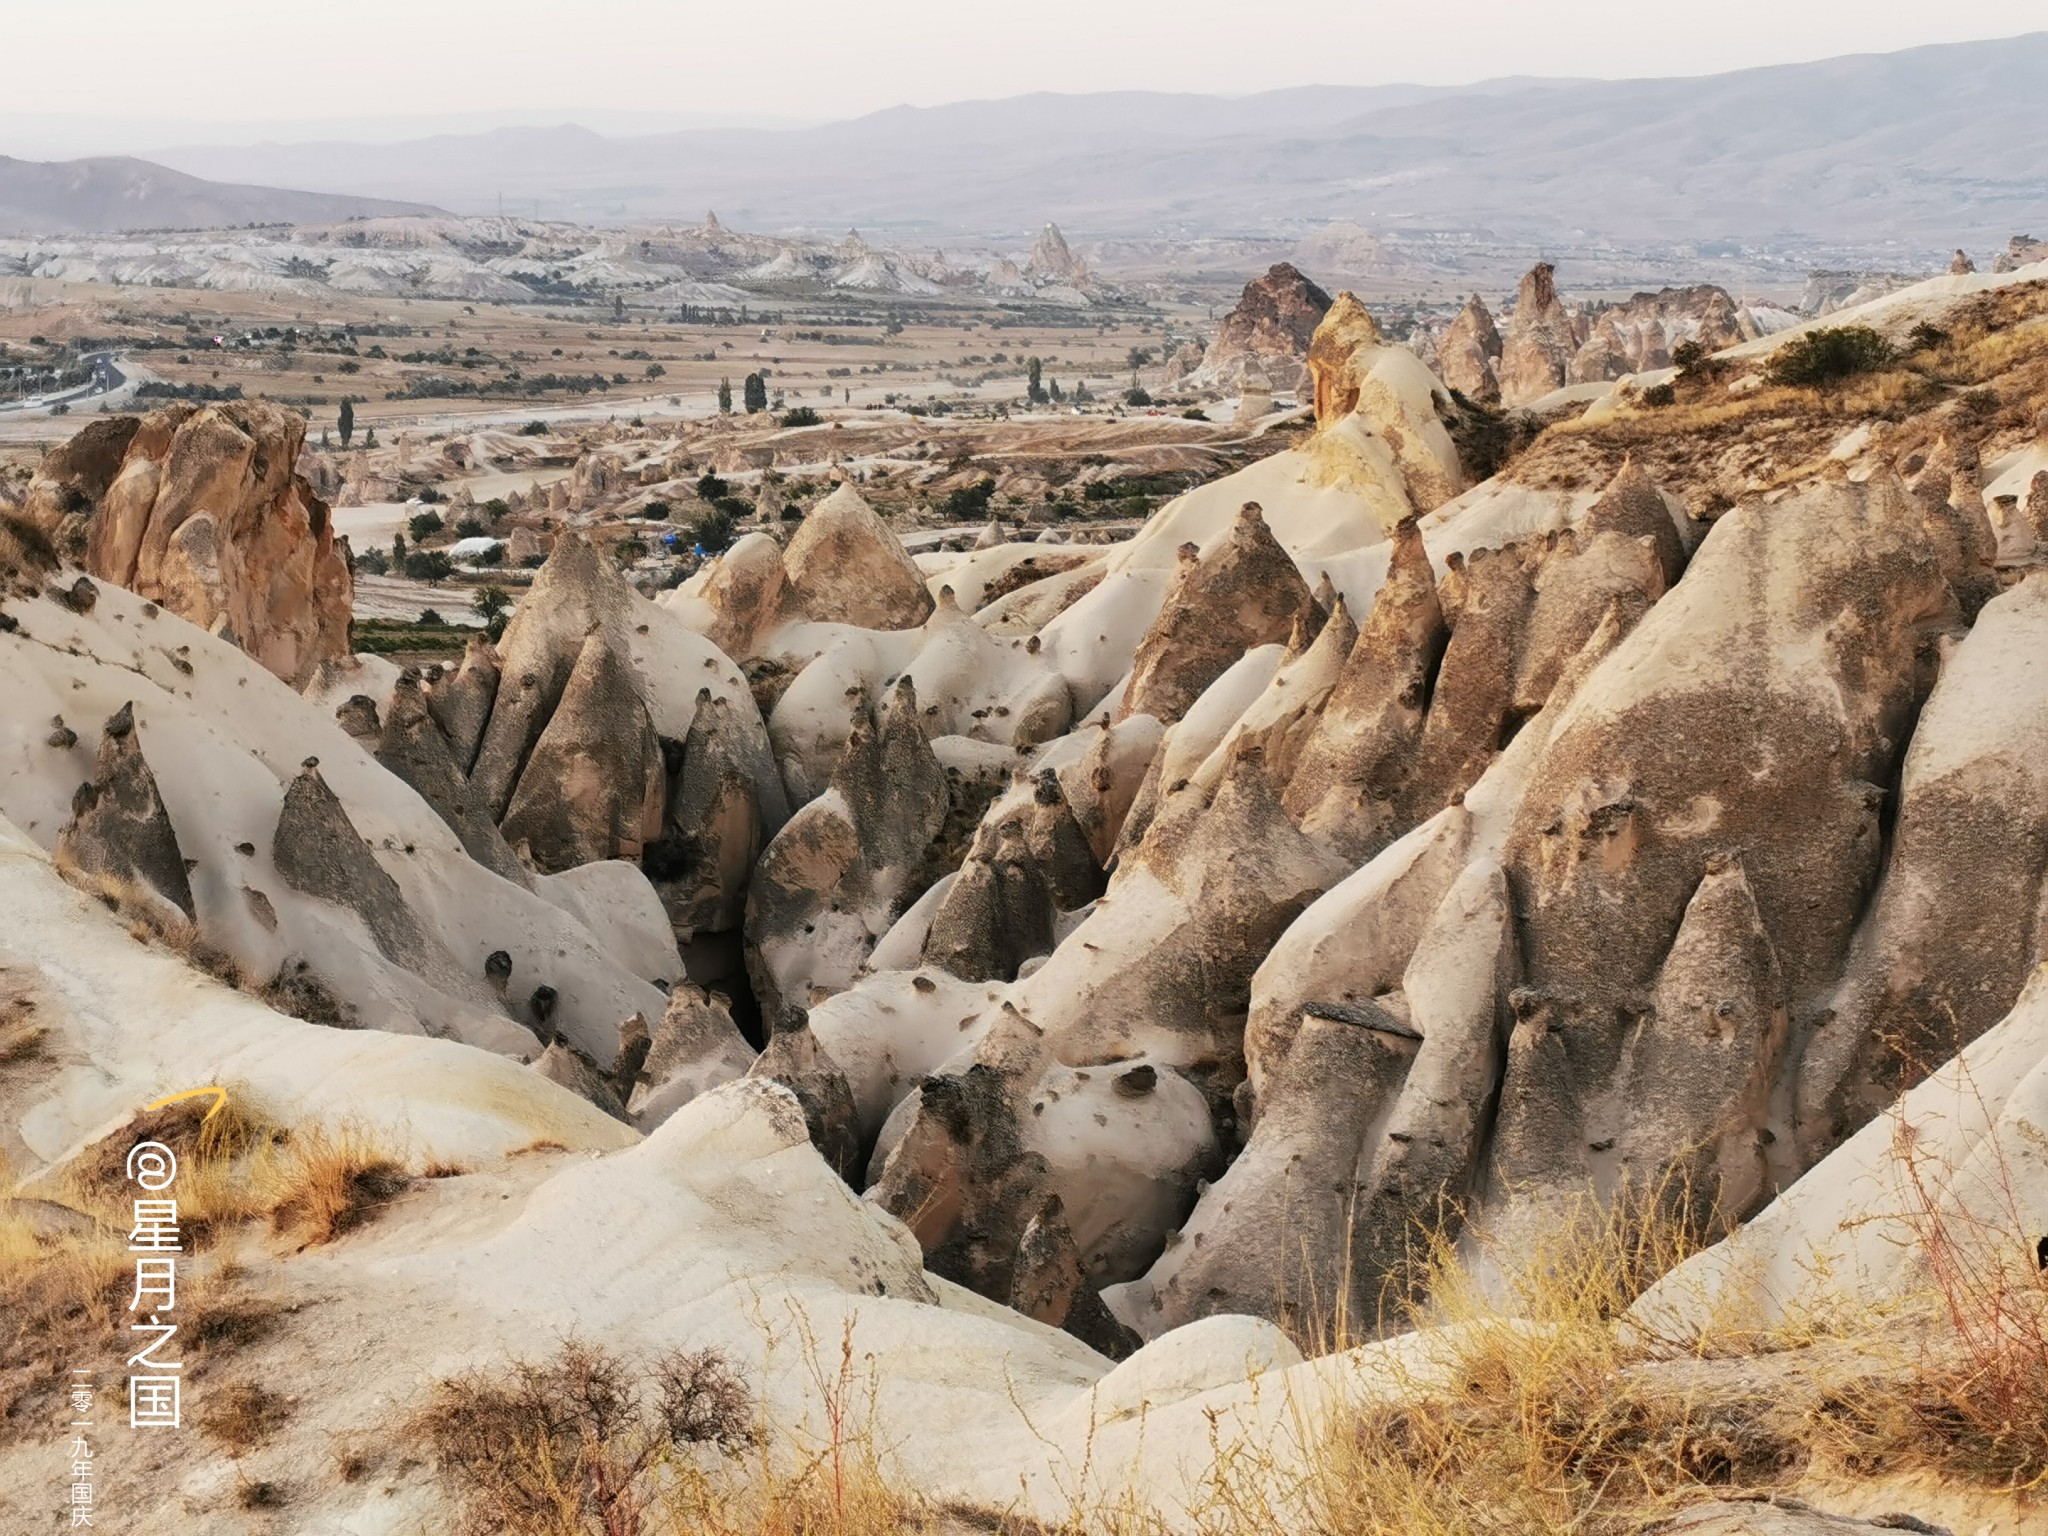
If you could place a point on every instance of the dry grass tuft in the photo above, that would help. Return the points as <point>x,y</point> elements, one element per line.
<point>242,1416</point>
<point>315,1183</point>
<point>65,1299</point>
<point>233,1321</point>
<point>1975,1406</point>
<point>60,1297</point>
<point>154,921</point>
<point>191,1128</point>
<point>23,1043</point>
<point>1535,1413</point>
<point>65,1270</point>
<point>326,1183</point>
<point>353,1461</point>
<point>259,1494</point>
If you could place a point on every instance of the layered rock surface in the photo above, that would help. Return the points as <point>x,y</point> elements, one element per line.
<point>202,509</point>
<point>1265,337</point>
<point>1177,941</point>
<point>1468,356</point>
<point>1542,339</point>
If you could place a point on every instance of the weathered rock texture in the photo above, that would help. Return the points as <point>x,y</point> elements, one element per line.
<point>1754,713</point>
<point>119,832</point>
<point>202,509</point>
<point>593,786</point>
<point>1468,356</point>
<point>1542,339</point>
<point>1266,336</point>
<point>1933,967</point>
<point>1245,592</point>
<point>604,730</point>
<point>1640,333</point>
<point>840,871</point>
<point>845,565</point>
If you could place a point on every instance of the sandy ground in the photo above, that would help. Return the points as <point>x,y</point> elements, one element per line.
<point>837,344</point>
<point>389,597</point>
<point>369,525</point>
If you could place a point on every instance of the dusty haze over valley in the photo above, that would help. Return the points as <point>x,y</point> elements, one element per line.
<point>849,770</point>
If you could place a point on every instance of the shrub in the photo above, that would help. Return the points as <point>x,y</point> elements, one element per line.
<point>655,511</point>
<point>1661,395</point>
<point>429,565</point>
<point>713,530</point>
<point>423,525</point>
<point>470,527</point>
<point>801,416</point>
<point>570,1444</point>
<point>969,501</point>
<point>1925,337</point>
<point>710,487</point>
<point>375,561</point>
<point>429,616</point>
<point>431,497</point>
<point>1827,356</point>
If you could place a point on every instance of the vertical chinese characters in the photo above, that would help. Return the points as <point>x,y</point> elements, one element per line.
<point>154,1383</point>
<point>80,1400</point>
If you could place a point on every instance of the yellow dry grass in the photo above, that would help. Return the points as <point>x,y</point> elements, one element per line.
<point>66,1272</point>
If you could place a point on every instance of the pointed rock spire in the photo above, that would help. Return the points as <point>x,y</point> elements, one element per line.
<point>594,786</point>
<point>1541,340</point>
<point>318,851</point>
<point>1469,353</point>
<point>1337,355</point>
<point>1246,593</point>
<point>1345,782</point>
<point>119,831</point>
<point>846,567</point>
<point>1701,1066</point>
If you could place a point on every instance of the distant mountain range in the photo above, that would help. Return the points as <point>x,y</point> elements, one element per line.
<point>112,192</point>
<point>1932,146</point>
<point>1908,151</point>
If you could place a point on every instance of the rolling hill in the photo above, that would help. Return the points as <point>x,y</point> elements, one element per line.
<point>109,193</point>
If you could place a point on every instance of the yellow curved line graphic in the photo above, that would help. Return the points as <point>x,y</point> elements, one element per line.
<point>220,1100</point>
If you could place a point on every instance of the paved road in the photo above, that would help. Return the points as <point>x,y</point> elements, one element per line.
<point>110,377</point>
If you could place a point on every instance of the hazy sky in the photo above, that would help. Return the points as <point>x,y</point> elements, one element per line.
<point>243,60</point>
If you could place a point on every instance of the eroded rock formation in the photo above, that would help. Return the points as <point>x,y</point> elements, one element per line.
<point>1640,333</point>
<point>201,508</point>
<point>845,565</point>
<point>119,833</point>
<point>1266,335</point>
<point>1246,592</point>
<point>1468,356</point>
<point>1542,339</point>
